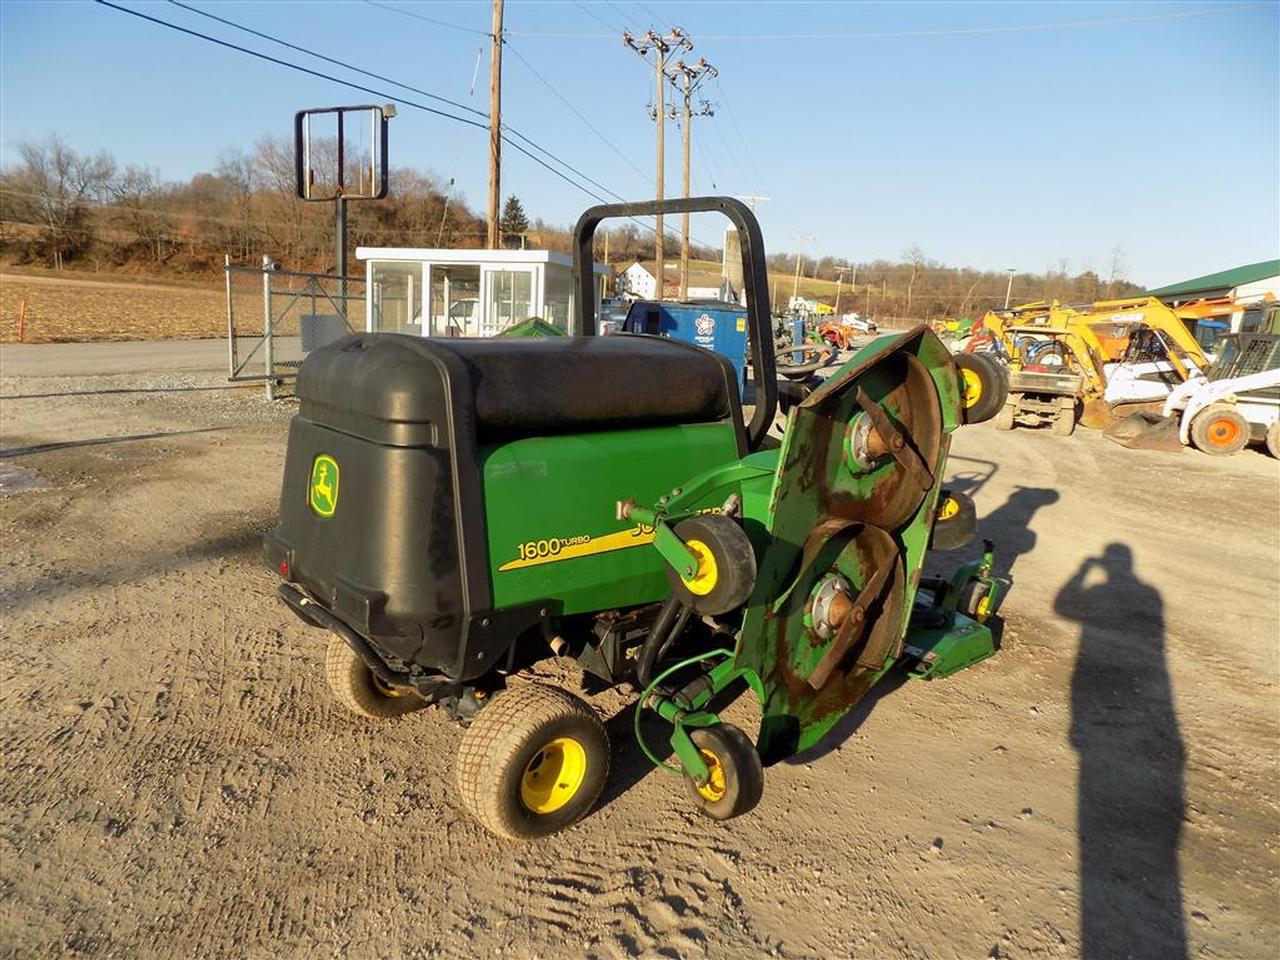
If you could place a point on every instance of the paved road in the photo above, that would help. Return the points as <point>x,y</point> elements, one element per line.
<point>133,356</point>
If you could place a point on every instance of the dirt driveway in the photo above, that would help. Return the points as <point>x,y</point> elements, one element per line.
<point>177,782</point>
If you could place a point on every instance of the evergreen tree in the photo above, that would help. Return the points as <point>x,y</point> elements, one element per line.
<point>513,223</point>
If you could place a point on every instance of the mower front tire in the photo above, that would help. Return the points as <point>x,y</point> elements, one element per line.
<point>533,762</point>
<point>736,782</point>
<point>358,689</point>
<point>726,571</point>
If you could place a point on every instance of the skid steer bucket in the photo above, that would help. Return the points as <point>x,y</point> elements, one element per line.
<point>1145,431</point>
<point>853,505</point>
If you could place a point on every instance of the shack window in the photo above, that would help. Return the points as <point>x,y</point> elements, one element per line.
<point>397,297</point>
<point>558,296</point>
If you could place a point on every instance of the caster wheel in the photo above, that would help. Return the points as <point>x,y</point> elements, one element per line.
<point>358,689</point>
<point>726,571</point>
<point>974,601</point>
<point>533,762</point>
<point>736,782</point>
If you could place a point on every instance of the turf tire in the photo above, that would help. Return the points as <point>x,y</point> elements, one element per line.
<point>354,686</point>
<point>502,741</point>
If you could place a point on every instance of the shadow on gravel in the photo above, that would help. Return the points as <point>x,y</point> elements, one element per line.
<point>243,540</point>
<point>629,765</point>
<point>1125,730</point>
<point>98,441</point>
<point>1009,526</point>
<point>95,393</point>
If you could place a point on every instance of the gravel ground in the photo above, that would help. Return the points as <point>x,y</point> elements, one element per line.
<point>177,781</point>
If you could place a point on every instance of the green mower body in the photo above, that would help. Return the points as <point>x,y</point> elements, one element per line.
<point>457,510</point>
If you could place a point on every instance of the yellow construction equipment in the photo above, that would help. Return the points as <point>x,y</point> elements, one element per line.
<point>1094,363</point>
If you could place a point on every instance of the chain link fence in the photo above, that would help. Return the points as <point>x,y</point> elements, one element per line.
<point>276,317</point>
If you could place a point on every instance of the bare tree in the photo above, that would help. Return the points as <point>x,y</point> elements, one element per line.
<point>137,194</point>
<point>915,257</point>
<point>61,184</point>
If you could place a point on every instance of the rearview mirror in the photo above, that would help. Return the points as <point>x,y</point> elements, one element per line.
<point>341,152</point>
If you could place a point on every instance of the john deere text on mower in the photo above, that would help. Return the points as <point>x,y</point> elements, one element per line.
<point>455,510</point>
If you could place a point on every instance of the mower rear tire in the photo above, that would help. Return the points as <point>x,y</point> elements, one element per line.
<point>1273,439</point>
<point>737,775</point>
<point>532,762</point>
<point>983,384</point>
<point>1219,431</point>
<point>726,571</point>
<point>358,689</point>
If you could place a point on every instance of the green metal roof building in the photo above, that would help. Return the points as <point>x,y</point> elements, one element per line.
<point>1250,280</point>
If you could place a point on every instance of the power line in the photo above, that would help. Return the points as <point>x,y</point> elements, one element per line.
<point>381,94</point>
<point>385,79</point>
<point>320,56</point>
<point>942,32</point>
<point>576,112</point>
<point>595,16</point>
<point>410,103</point>
<point>425,18</point>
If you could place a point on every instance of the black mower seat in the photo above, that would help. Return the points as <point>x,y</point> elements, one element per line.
<point>396,385</point>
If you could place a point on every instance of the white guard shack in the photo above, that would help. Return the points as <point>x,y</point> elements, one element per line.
<point>467,293</point>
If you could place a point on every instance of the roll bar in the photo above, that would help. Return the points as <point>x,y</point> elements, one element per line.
<point>755,279</point>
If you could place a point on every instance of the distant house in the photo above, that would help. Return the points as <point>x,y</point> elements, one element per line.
<point>639,281</point>
<point>1243,283</point>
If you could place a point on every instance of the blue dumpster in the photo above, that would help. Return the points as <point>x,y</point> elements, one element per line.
<point>717,326</point>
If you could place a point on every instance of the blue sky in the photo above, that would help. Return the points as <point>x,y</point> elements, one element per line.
<point>990,134</point>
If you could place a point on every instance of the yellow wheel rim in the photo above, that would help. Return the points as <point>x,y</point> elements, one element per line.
<point>385,689</point>
<point>707,575</point>
<point>950,507</point>
<point>715,787</point>
<point>552,778</point>
<point>972,387</point>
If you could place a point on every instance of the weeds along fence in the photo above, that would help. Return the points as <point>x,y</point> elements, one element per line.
<point>275,317</point>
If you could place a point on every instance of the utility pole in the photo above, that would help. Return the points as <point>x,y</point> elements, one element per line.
<point>495,126</point>
<point>800,239</point>
<point>687,79</point>
<point>1008,290</point>
<point>674,42</point>
<point>839,283</point>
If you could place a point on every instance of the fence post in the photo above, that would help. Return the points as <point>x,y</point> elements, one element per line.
<point>266,327</point>
<point>22,320</point>
<point>231,319</point>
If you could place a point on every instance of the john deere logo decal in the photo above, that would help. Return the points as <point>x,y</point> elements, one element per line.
<point>323,495</point>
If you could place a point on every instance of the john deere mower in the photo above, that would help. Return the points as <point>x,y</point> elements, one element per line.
<point>454,511</point>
